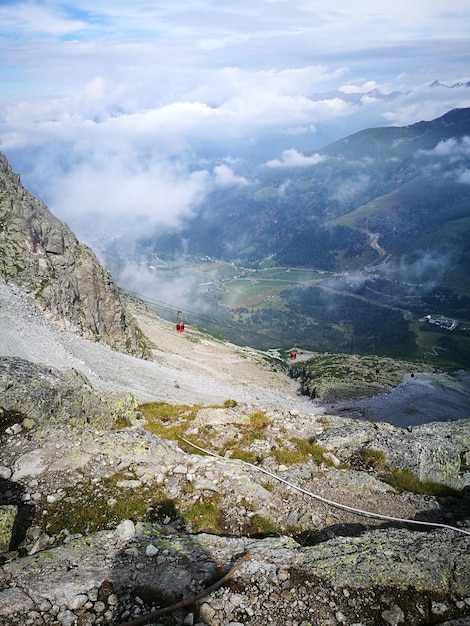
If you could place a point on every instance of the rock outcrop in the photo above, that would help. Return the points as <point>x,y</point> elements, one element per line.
<point>39,253</point>
<point>105,518</point>
<point>381,578</point>
<point>437,452</point>
<point>41,396</point>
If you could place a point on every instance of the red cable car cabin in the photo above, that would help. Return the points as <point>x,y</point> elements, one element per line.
<point>179,326</point>
<point>293,355</point>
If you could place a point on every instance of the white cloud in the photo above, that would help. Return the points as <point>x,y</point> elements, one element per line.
<point>140,198</point>
<point>424,103</point>
<point>293,158</point>
<point>454,149</point>
<point>463,177</point>
<point>446,154</point>
<point>364,88</point>
<point>349,188</point>
<point>225,177</point>
<point>117,102</point>
<point>28,18</point>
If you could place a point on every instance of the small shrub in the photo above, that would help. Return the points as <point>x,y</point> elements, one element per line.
<point>120,423</point>
<point>317,451</point>
<point>303,451</point>
<point>204,515</point>
<point>373,458</point>
<point>187,487</point>
<point>284,456</point>
<point>249,436</point>
<point>230,404</point>
<point>263,526</point>
<point>259,420</point>
<point>268,485</point>
<point>228,445</point>
<point>244,455</point>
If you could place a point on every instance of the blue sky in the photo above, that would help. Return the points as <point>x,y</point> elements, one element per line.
<point>136,109</point>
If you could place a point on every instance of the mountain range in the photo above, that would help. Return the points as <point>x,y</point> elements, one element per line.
<point>351,248</point>
<point>408,184</point>
<point>106,517</point>
<point>385,212</point>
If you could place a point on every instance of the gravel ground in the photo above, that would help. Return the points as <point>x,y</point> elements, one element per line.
<point>186,368</point>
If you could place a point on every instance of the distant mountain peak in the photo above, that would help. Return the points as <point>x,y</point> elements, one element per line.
<point>437,83</point>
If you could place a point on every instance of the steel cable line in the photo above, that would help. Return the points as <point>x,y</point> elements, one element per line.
<point>221,324</point>
<point>332,503</point>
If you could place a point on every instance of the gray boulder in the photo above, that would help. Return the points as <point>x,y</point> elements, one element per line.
<point>40,396</point>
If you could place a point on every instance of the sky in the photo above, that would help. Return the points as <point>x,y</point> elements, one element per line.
<point>124,115</point>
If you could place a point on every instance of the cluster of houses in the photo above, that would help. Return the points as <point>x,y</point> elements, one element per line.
<point>441,321</point>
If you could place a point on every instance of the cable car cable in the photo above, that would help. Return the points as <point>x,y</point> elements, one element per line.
<point>199,317</point>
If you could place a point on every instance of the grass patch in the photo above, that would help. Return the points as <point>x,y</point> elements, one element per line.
<point>285,456</point>
<point>230,404</point>
<point>204,515</point>
<point>302,451</point>
<point>261,525</point>
<point>89,507</point>
<point>171,421</point>
<point>268,485</point>
<point>244,455</point>
<point>405,480</point>
<point>259,420</point>
<point>236,450</point>
<point>164,412</point>
<point>251,431</point>
<point>372,458</point>
<point>120,423</point>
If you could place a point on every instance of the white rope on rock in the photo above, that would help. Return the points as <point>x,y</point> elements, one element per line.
<point>337,505</point>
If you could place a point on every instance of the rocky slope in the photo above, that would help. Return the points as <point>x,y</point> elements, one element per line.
<point>105,520</point>
<point>71,467</point>
<point>40,253</point>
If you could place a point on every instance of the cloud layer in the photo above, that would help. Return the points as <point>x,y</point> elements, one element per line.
<point>134,111</point>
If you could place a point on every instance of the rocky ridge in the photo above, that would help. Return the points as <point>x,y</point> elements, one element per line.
<point>40,254</point>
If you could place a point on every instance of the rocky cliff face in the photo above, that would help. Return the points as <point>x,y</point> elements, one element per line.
<point>39,253</point>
